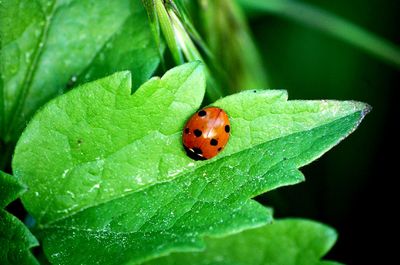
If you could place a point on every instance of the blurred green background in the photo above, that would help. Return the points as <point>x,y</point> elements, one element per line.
<point>351,187</point>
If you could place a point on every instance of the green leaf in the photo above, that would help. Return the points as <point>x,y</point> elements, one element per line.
<point>285,242</point>
<point>15,241</point>
<point>15,237</point>
<point>112,172</point>
<point>49,46</point>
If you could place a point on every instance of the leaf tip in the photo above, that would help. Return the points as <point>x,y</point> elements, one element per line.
<point>125,73</point>
<point>187,68</point>
<point>364,109</point>
<point>367,109</point>
<point>193,71</point>
<point>195,66</point>
<point>125,76</point>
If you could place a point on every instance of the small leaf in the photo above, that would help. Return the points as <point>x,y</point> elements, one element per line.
<point>285,242</point>
<point>15,237</point>
<point>113,174</point>
<point>50,46</point>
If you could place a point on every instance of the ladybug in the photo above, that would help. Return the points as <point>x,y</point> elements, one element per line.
<point>206,133</point>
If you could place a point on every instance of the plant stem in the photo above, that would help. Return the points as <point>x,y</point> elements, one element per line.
<point>331,24</point>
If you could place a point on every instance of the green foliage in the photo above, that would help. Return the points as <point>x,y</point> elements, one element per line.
<point>107,179</point>
<point>112,171</point>
<point>15,238</point>
<point>285,242</point>
<point>49,46</point>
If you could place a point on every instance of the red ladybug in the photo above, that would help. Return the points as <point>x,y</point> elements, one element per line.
<point>206,133</point>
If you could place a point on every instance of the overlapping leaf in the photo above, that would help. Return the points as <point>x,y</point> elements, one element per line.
<point>108,174</point>
<point>15,237</point>
<point>285,242</point>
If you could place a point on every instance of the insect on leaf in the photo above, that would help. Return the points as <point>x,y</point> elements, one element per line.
<point>106,170</point>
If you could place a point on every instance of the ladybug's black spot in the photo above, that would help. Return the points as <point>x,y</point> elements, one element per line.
<point>197,132</point>
<point>202,113</point>
<point>219,149</point>
<point>194,153</point>
<point>186,130</point>
<point>227,128</point>
<point>214,142</point>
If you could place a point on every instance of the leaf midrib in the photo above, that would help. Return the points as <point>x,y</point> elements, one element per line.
<point>48,225</point>
<point>27,83</point>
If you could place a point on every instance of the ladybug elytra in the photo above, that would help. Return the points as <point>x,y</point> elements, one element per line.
<point>206,133</point>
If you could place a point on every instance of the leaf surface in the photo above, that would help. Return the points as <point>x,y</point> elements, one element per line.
<point>112,172</point>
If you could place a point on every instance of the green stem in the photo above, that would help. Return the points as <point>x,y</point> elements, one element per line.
<point>191,53</point>
<point>150,7</point>
<point>168,31</point>
<point>331,24</point>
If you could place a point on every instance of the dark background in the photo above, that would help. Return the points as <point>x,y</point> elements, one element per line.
<point>353,187</point>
